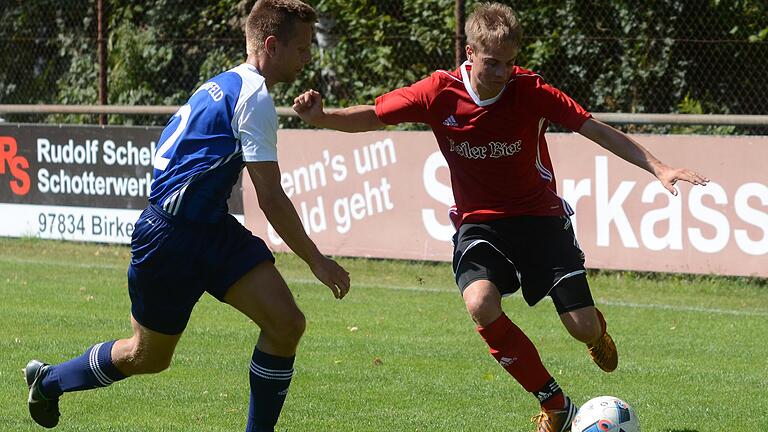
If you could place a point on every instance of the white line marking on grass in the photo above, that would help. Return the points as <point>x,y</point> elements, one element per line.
<point>660,306</point>
<point>677,308</point>
<point>382,286</point>
<point>63,263</point>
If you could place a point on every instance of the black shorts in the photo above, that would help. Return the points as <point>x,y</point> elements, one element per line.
<point>539,253</point>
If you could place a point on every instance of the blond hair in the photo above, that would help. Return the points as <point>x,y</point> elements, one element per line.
<point>274,18</point>
<point>491,25</point>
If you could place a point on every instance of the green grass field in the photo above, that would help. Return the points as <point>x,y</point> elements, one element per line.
<point>398,354</point>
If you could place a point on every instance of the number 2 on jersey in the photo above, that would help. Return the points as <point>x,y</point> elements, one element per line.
<point>161,161</point>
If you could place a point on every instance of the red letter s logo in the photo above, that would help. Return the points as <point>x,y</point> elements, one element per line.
<point>17,165</point>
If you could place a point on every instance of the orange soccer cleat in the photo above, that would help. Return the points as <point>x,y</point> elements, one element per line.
<point>604,354</point>
<point>556,420</point>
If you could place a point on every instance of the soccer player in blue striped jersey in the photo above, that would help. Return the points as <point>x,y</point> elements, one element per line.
<point>186,243</point>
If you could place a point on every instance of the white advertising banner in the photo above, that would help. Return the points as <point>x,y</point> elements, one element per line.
<point>83,183</point>
<point>386,194</point>
<point>68,223</point>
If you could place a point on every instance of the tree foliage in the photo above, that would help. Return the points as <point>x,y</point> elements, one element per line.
<point>37,40</point>
<point>611,55</point>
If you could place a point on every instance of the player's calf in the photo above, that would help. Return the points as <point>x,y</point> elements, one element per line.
<point>133,359</point>
<point>583,324</point>
<point>270,377</point>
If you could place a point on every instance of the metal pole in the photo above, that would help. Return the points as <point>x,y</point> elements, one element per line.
<point>612,118</point>
<point>102,53</point>
<point>460,38</point>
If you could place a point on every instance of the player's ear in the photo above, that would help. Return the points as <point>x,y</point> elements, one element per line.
<point>270,45</point>
<point>469,52</point>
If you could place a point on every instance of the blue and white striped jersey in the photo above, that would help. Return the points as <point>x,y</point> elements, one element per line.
<point>229,120</point>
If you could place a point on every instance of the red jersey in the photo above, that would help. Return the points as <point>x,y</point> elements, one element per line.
<point>495,148</point>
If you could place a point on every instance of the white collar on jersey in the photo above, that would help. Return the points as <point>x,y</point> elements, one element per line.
<point>471,91</point>
<point>252,68</point>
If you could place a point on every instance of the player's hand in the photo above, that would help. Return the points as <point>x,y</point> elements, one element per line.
<point>332,275</point>
<point>670,176</point>
<point>309,106</point>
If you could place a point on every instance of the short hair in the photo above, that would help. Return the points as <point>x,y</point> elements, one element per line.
<point>274,18</point>
<point>492,24</point>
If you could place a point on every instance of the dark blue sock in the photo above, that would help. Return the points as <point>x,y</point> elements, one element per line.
<point>270,377</point>
<point>92,369</point>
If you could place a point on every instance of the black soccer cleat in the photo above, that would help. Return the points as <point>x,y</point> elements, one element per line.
<point>44,411</point>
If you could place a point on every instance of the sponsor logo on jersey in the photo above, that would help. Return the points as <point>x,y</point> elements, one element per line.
<point>501,149</point>
<point>468,151</point>
<point>213,90</point>
<point>15,165</point>
<point>493,149</point>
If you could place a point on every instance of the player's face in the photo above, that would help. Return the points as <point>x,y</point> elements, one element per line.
<point>491,68</point>
<point>294,54</point>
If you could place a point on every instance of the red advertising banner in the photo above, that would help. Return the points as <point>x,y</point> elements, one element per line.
<point>386,194</point>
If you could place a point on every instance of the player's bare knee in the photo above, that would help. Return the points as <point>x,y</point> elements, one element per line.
<point>288,329</point>
<point>481,309</point>
<point>296,326</point>
<point>476,312</point>
<point>473,305</point>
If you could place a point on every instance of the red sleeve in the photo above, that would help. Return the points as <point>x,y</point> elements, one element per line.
<point>558,107</point>
<point>407,104</point>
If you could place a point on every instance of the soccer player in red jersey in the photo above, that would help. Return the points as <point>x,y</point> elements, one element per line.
<point>513,230</point>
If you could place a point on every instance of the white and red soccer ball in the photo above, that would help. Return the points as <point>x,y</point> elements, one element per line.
<point>605,414</point>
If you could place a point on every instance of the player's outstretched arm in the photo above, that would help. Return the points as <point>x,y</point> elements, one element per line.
<point>631,151</point>
<point>282,215</point>
<point>358,118</point>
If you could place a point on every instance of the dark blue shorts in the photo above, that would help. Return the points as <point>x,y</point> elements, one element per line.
<point>174,261</point>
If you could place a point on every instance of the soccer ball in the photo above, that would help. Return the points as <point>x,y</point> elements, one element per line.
<point>605,414</point>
